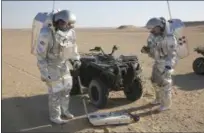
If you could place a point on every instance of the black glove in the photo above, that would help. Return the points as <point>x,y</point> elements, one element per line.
<point>167,70</point>
<point>145,49</point>
<point>47,79</point>
<point>77,64</point>
<point>43,79</point>
<point>167,67</point>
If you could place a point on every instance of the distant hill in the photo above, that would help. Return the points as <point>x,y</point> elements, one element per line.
<point>128,27</point>
<point>194,23</point>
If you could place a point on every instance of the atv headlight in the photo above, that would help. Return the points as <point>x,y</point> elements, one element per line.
<point>137,66</point>
<point>111,69</point>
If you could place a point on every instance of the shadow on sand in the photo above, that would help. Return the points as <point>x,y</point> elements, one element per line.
<point>24,113</point>
<point>30,114</point>
<point>189,81</point>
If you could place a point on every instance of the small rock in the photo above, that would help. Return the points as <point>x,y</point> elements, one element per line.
<point>129,129</point>
<point>200,122</point>
<point>106,130</point>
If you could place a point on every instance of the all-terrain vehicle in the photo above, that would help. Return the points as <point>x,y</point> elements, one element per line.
<point>198,64</point>
<point>101,73</point>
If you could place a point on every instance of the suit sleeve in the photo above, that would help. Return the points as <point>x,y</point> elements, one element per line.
<point>75,53</point>
<point>151,46</point>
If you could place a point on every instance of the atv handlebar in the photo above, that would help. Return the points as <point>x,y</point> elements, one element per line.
<point>199,51</point>
<point>99,49</point>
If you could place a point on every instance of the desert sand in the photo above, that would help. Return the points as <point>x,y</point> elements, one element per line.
<point>24,96</point>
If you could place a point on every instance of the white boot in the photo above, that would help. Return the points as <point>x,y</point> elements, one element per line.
<point>68,115</point>
<point>155,102</point>
<point>162,108</point>
<point>65,105</point>
<point>58,120</point>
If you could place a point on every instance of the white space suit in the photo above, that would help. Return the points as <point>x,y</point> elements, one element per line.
<point>162,48</point>
<point>164,54</point>
<point>54,48</point>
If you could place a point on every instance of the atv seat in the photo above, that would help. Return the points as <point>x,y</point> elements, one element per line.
<point>128,58</point>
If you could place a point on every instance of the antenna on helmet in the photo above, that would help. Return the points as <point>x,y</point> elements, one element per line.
<point>53,10</point>
<point>53,6</point>
<point>169,10</point>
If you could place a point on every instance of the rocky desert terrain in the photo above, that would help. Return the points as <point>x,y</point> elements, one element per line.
<point>24,96</point>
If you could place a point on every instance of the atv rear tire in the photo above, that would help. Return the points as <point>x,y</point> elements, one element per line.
<point>134,91</point>
<point>98,93</point>
<point>198,65</point>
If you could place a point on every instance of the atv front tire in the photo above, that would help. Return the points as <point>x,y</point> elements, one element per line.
<point>198,65</point>
<point>76,87</point>
<point>98,93</point>
<point>134,91</point>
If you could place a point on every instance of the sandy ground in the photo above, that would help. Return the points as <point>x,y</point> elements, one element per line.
<point>24,96</point>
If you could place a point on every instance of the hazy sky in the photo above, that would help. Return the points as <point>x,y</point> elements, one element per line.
<point>19,14</point>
